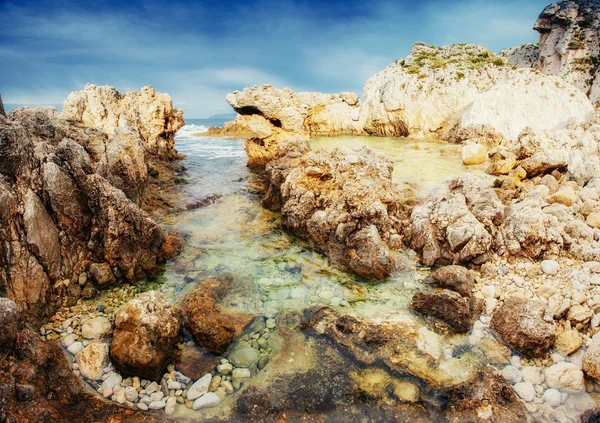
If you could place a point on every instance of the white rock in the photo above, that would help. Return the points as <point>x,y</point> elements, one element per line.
<point>564,377</point>
<point>207,400</point>
<point>488,291</point>
<point>157,396</point>
<point>473,154</point>
<point>511,374</point>
<point>142,406</point>
<point>157,405</point>
<point>91,360</point>
<point>515,361</point>
<point>68,340</point>
<point>95,328</point>
<point>75,347</point>
<point>525,390</point>
<point>200,387</point>
<point>152,387</point>
<point>552,397</point>
<point>170,406</point>
<point>532,374</point>
<point>131,394</point>
<point>119,395</point>
<point>225,368</point>
<point>490,305</point>
<point>550,267</point>
<point>174,385</point>
<point>113,379</point>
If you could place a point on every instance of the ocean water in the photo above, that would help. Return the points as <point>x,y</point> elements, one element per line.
<point>194,126</point>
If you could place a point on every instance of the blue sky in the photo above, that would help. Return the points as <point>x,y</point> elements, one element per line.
<point>200,51</point>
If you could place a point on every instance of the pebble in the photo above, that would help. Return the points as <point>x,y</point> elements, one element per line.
<point>113,379</point>
<point>550,267</point>
<point>142,406</point>
<point>525,390</point>
<point>225,368</point>
<point>270,323</point>
<point>207,400</point>
<point>488,291</point>
<point>131,394</point>
<point>531,374</point>
<point>511,374</point>
<point>552,397</point>
<point>200,387</point>
<point>75,347</point>
<point>515,361</point>
<point>170,406</point>
<point>157,405</point>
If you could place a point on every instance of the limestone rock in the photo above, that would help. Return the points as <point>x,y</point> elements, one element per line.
<point>568,342</point>
<point>58,173</point>
<point>591,358</point>
<point>344,203</point>
<point>564,377</point>
<point>146,331</point>
<point>523,56</point>
<point>456,221</point>
<point>96,328</point>
<point>520,322</point>
<point>473,154</point>
<point>91,360</point>
<point>150,113</point>
<point>455,278</point>
<point>200,387</point>
<point>569,43</point>
<point>210,324</point>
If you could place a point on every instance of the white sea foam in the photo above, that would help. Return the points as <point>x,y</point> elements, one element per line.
<point>209,147</point>
<point>189,131</point>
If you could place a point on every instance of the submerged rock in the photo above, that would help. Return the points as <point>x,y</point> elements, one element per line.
<point>210,324</point>
<point>456,311</point>
<point>521,324</point>
<point>146,331</point>
<point>91,360</point>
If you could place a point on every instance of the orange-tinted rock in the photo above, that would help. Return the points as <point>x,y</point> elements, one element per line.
<point>195,363</point>
<point>210,324</point>
<point>146,331</point>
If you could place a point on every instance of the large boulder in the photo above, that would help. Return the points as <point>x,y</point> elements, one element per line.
<point>523,325</point>
<point>344,203</point>
<point>276,121</point>
<point>210,324</point>
<point>60,210</point>
<point>456,221</point>
<point>569,43</point>
<point>149,113</point>
<point>146,331</point>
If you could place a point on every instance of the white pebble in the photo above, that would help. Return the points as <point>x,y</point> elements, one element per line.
<point>157,405</point>
<point>550,267</point>
<point>552,397</point>
<point>209,399</point>
<point>511,374</point>
<point>525,390</point>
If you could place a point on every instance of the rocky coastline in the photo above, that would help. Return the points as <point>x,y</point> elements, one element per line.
<point>511,296</point>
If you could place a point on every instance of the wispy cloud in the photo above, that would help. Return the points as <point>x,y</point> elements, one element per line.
<point>198,52</point>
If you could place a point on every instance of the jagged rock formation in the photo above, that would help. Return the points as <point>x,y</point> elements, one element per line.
<point>149,113</point>
<point>570,43</point>
<point>61,210</point>
<point>457,221</point>
<point>2,111</point>
<point>451,88</point>
<point>344,203</point>
<point>523,56</point>
<point>271,118</point>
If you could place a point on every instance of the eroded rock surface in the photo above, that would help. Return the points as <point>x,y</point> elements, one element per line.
<point>60,210</point>
<point>150,114</point>
<point>210,324</point>
<point>344,203</point>
<point>523,325</point>
<point>146,331</point>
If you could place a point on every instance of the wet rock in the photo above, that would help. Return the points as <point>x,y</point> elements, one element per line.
<point>455,278</point>
<point>91,360</point>
<point>449,306</point>
<point>511,374</point>
<point>209,323</point>
<point>525,390</point>
<point>207,400</point>
<point>194,362</point>
<point>520,322</point>
<point>200,387</point>
<point>552,397</point>
<point>9,319</point>
<point>564,377</point>
<point>96,328</point>
<point>243,355</point>
<point>102,274</point>
<point>146,331</point>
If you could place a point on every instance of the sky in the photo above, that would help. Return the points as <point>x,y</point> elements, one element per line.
<point>198,51</point>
